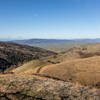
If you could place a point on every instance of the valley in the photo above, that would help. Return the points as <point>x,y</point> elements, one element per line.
<point>33,73</point>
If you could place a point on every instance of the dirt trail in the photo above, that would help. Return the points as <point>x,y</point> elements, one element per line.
<point>40,76</point>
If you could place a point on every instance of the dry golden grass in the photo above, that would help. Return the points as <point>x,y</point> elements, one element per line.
<point>30,67</point>
<point>85,71</point>
<point>79,64</point>
<point>79,51</point>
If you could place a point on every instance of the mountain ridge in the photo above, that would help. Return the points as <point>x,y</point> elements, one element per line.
<point>30,41</point>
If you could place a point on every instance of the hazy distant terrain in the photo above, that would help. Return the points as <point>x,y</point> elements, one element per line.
<point>52,41</point>
<point>56,44</point>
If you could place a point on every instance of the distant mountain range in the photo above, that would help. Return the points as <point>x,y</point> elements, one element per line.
<point>53,41</point>
<point>41,41</point>
<point>57,45</point>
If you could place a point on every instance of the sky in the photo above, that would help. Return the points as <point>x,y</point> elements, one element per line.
<point>51,19</point>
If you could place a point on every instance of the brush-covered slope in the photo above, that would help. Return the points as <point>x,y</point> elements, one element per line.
<point>35,88</point>
<point>12,54</point>
<point>85,71</point>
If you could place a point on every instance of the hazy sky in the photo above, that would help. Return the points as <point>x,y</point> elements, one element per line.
<point>66,19</point>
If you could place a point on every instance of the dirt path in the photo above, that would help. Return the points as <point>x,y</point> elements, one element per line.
<point>40,76</point>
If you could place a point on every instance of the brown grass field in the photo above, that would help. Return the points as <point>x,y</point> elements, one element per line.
<point>79,64</point>
<point>84,71</point>
<point>73,74</point>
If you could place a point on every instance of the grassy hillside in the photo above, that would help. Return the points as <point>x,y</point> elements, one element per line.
<point>29,67</point>
<point>85,71</point>
<point>78,52</point>
<point>39,74</point>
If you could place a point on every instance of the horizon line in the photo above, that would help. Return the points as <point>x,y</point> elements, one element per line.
<point>11,39</point>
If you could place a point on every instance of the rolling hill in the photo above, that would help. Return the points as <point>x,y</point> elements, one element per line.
<point>78,52</point>
<point>33,73</point>
<point>13,55</point>
<point>78,64</point>
<point>84,71</point>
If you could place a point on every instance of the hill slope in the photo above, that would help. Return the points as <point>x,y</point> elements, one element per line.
<point>85,71</point>
<point>35,79</point>
<point>12,54</point>
<point>78,52</point>
<point>36,88</point>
